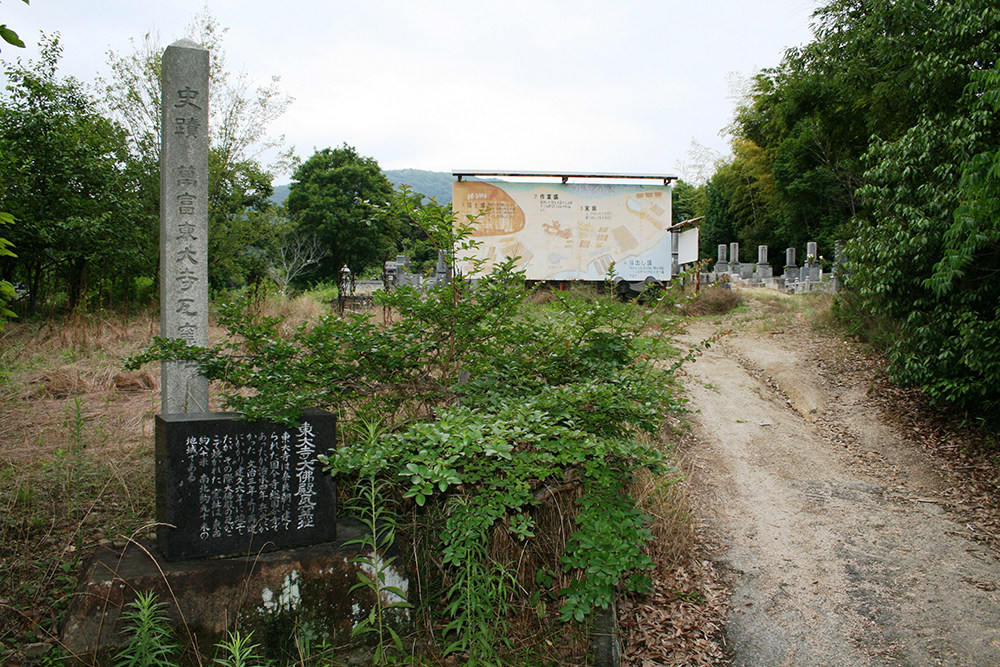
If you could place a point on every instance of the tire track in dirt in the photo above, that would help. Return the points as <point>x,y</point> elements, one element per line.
<point>824,519</point>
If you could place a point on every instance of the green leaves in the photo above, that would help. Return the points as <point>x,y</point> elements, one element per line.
<point>471,408</point>
<point>66,177</point>
<point>927,250</point>
<point>335,196</point>
<point>10,36</point>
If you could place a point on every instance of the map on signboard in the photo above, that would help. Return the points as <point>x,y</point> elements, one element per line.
<point>569,231</point>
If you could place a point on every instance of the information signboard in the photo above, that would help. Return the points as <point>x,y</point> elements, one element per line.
<point>569,231</point>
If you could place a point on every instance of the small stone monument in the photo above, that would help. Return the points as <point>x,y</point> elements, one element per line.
<point>734,258</point>
<point>226,487</point>
<point>812,269</point>
<point>763,270</point>
<point>721,265</point>
<point>791,268</point>
<point>184,136</point>
<point>442,273</point>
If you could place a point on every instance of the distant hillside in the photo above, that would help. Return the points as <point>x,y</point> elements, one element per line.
<point>280,193</point>
<point>436,184</point>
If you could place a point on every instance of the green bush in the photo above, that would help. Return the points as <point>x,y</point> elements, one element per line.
<point>483,410</point>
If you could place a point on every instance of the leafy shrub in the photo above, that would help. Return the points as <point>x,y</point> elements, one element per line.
<point>486,412</point>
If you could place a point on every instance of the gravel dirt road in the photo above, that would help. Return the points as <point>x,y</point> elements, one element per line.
<point>831,529</point>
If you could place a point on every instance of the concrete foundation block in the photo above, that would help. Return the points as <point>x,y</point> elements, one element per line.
<point>274,595</point>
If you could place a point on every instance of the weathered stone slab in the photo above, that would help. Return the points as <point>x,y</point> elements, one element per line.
<point>274,595</point>
<point>228,487</point>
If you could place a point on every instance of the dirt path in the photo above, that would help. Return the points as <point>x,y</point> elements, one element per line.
<point>831,529</point>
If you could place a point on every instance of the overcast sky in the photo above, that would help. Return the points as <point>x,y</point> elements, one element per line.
<point>547,85</point>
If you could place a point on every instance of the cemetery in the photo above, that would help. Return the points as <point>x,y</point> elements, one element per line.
<point>809,277</point>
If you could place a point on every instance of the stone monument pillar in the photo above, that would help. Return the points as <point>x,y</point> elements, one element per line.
<point>763,269</point>
<point>734,258</point>
<point>184,136</point>
<point>812,269</point>
<point>791,268</point>
<point>721,265</point>
<point>442,274</point>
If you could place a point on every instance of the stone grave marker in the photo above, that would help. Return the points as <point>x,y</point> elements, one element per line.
<point>721,263</point>
<point>226,487</point>
<point>812,270</point>
<point>763,271</point>
<point>791,268</point>
<point>734,258</point>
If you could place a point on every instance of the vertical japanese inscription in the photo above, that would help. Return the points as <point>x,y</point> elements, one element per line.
<point>184,219</point>
<point>226,487</point>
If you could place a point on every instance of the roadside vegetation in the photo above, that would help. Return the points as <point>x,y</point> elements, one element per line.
<point>518,441</point>
<point>881,134</point>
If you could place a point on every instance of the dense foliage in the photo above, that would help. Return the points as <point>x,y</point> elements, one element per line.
<point>334,196</point>
<point>482,410</point>
<point>79,172</point>
<point>66,179</point>
<point>881,133</point>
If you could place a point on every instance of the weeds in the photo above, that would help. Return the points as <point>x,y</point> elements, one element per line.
<point>564,425</point>
<point>716,300</point>
<point>77,469</point>
<point>237,651</point>
<point>151,643</point>
<point>374,507</point>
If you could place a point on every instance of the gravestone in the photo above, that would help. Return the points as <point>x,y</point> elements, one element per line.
<point>734,258</point>
<point>763,271</point>
<point>184,219</point>
<point>791,268</point>
<point>812,269</point>
<point>226,487</point>
<point>721,265</point>
<point>442,273</point>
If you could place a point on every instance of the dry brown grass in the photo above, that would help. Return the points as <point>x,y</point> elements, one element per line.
<point>678,623</point>
<point>76,459</point>
<point>716,300</point>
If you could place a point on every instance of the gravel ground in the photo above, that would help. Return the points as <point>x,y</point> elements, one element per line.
<point>843,541</point>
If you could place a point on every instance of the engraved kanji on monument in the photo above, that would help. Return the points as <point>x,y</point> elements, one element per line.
<point>184,134</point>
<point>226,487</point>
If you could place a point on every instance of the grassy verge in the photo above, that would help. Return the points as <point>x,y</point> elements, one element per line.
<point>76,457</point>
